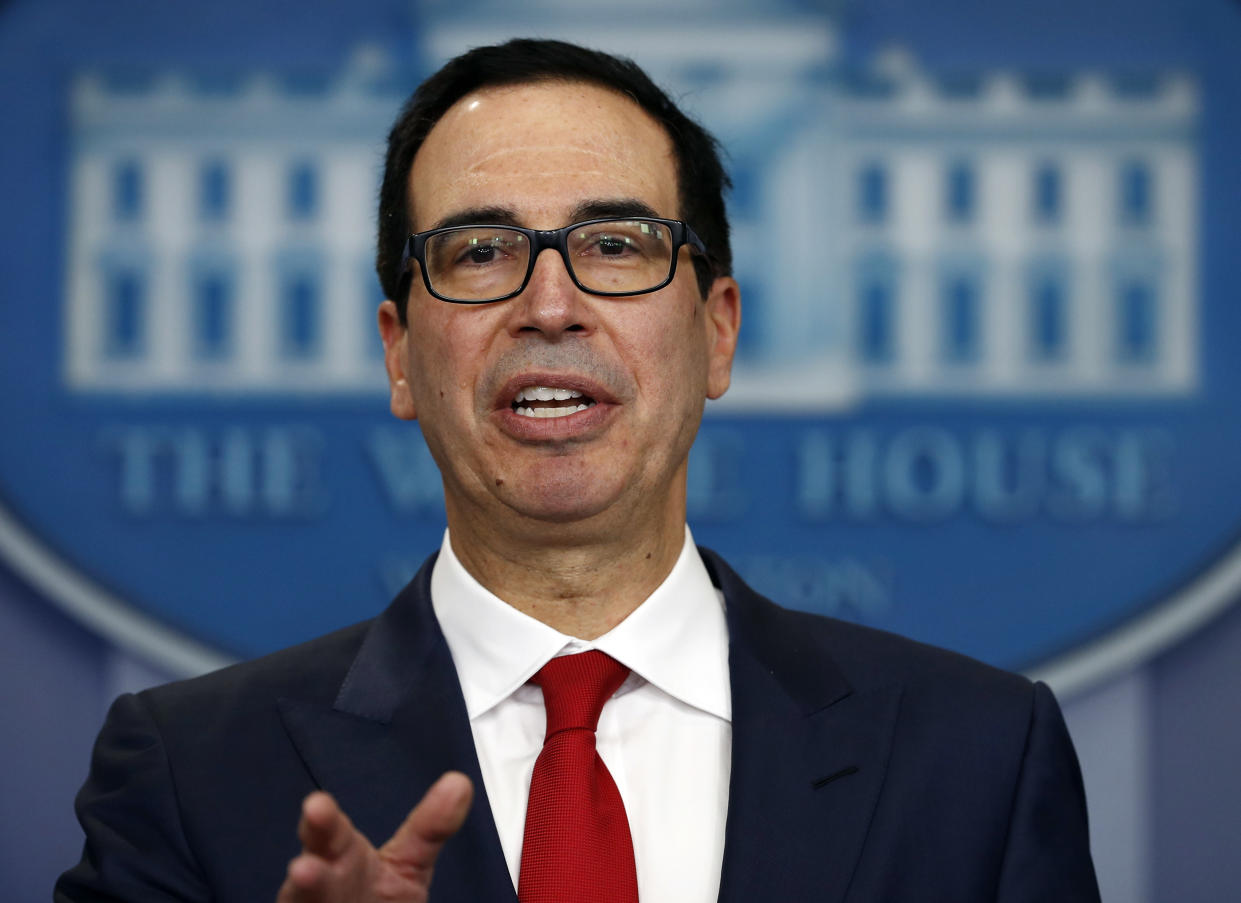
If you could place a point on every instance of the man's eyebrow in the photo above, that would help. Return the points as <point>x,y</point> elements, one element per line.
<point>479,216</point>
<point>612,208</point>
<point>609,208</point>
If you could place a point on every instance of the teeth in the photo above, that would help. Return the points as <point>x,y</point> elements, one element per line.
<point>545,393</point>
<point>550,412</point>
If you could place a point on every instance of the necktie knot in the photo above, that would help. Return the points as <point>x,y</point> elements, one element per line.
<point>575,688</point>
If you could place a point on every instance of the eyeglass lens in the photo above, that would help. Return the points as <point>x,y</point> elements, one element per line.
<point>482,262</point>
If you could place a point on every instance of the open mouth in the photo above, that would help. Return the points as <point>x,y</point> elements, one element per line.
<point>544,401</point>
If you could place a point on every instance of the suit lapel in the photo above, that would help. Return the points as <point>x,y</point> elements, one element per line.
<point>397,724</point>
<point>809,755</point>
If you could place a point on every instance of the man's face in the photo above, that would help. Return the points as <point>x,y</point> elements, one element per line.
<point>543,156</point>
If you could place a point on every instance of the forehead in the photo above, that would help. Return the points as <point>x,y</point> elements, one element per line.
<point>540,150</point>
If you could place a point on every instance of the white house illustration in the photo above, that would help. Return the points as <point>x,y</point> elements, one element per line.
<point>897,232</point>
<point>221,235</point>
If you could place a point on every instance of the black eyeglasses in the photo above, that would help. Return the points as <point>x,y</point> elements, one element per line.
<point>611,257</point>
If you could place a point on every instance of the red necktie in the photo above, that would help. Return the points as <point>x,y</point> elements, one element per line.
<point>577,847</point>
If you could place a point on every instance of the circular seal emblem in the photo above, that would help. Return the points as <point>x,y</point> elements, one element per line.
<point>984,395</point>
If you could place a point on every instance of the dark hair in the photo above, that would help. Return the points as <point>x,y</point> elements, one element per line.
<point>701,179</point>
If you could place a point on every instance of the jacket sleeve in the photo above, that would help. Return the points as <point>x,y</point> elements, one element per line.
<point>1047,854</point>
<point>136,849</point>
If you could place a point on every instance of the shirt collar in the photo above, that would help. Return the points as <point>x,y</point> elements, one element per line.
<point>677,639</point>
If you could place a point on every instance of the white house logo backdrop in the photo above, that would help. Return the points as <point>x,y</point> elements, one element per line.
<point>985,391</point>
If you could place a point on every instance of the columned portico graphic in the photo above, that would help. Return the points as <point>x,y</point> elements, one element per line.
<point>221,238</point>
<point>915,234</point>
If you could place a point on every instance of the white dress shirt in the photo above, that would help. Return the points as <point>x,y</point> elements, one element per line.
<point>665,735</point>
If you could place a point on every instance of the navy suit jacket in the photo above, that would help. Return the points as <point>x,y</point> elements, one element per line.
<point>865,767</point>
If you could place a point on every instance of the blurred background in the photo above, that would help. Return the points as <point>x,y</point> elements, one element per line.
<point>985,394</point>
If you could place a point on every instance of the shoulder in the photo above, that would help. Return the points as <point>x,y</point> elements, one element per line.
<point>869,656</point>
<point>312,671</point>
<point>315,673</point>
<point>864,657</point>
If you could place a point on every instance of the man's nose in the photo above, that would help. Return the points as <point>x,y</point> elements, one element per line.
<point>551,303</point>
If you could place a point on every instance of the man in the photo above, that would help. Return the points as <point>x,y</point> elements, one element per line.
<point>553,242</point>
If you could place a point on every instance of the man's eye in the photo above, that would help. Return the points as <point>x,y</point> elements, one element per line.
<point>607,244</point>
<point>611,245</point>
<point>481,253</point>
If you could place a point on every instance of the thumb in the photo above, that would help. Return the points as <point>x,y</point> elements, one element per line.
<point>437,817</point>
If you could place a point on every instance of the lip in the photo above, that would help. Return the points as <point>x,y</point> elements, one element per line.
<point>578,425</point>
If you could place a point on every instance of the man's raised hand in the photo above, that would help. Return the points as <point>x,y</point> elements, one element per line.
<point>338,863</point>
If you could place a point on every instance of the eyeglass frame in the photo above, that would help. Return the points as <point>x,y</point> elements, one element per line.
<point>557,239</point>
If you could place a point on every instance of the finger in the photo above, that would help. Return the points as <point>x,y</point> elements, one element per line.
<point>305,881</point>
<point>330,843</point>
<point>437,817</point>
<point>324,829</point>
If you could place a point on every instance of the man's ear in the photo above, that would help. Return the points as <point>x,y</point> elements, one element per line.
<point>395,337</point>
<point>723,323</point>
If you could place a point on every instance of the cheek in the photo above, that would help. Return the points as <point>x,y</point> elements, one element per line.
<point>455,367</point>
<point>682,341</point>
<point>443,355</point>
<point>669,360</point>
<point>429,384</point>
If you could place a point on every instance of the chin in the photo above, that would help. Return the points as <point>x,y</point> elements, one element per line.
<point>558,510</point>
<point>564,499</point>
